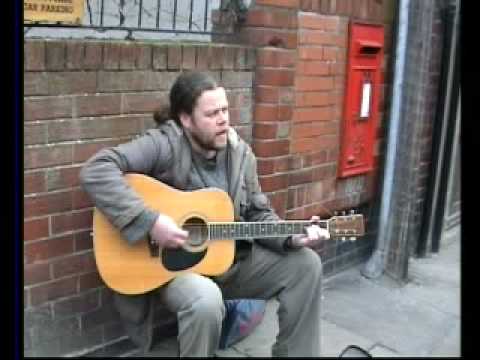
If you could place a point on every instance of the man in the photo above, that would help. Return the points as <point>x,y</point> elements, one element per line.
<point>194,147</point>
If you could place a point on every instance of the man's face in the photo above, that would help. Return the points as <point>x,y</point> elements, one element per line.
<point>209,122</point>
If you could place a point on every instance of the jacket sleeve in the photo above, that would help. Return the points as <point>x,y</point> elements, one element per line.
<point>259,207</point>
<point>102,178</point>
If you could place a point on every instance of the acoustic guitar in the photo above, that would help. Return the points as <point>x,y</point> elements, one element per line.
<point>208,216</point>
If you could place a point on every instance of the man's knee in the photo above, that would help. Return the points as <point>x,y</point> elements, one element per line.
<point>308,262</point>
<point>207,300</point>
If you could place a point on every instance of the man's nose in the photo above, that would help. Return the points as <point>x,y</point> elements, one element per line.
<point>222,118</point>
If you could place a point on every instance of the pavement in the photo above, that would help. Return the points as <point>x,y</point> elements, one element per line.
<point>419,318</point>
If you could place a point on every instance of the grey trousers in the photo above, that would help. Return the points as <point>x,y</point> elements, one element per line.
<point>294,279</point>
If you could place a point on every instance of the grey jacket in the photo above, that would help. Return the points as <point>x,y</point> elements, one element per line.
<point>164,153</point>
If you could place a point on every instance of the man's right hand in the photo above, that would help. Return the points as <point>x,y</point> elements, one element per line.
<point>166,234</point>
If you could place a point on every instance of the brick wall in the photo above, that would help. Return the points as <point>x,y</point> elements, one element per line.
<point>81,96</point>
<point>299,90</point>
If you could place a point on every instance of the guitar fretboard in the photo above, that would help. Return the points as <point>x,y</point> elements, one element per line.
<point>244,230</point>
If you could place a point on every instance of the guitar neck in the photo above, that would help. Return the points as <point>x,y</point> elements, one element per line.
<point>244,230</point>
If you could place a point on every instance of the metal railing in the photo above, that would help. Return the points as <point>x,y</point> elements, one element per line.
<point>204,17</point>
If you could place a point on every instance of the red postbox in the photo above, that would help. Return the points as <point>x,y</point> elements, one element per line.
<point>360,115</point>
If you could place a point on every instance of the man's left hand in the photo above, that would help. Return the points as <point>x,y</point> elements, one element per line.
<point>314,234</point>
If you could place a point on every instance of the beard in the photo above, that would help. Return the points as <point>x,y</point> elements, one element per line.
<point>212,143</point>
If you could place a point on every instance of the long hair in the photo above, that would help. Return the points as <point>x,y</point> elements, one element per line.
<point>183,95</point>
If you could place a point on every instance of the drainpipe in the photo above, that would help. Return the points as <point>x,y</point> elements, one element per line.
<point>375,266</point>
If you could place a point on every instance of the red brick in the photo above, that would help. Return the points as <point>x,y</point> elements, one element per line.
<point>83,240</point>
<point>111,56</point>
<point>217,59</point>
<point>265,131</point>
<point>93,56</point>
<point>295,214</point>
<point>278,201</point>
<point>74,264</point>
<point>303,145</point>
<point>316,37</point>
<point>144,57</point>
<point>53,290</point>
<point>47,156</point>
<point>112,126</point>
<point>329,53</point>
<point>128,55</point>
<point>34,274</point>
<point>265,113</point>
<point>47,249</point>
<point>35,229</point>
<point>310,53</point>
<point>159,57</point>
<point>313,114</point>
<point>285,112</point>
<point>265,166</point>
<point>274,183</point>
<point>98,104</point>
<point>279,3</point>
<point>35,83</point>
<point>47,108</point>
<point>81,200</point>
<point>71,221</point>
<point>319,22</point>
<point>304,99</point>
<point>61,178</point>
<point>34,52</point>
<point>275,77</point>
<point>64,83</point>
<point>35,134</point>
<point>75,55</point>
<point>282,164</point>
<point>90,281</point>
<point>260,37</point>
<point>271,148</point>
<point>34,182</point>
<point>188,57</point>
<point>314,129</point>
<point>271,18</point>
<point>55,55</point>
<point>82,152</point>
<point>286,95</point>
<point>313,83</point>
<point>77,305</point>
<point>313,68</point>
<point>266,94</point>
<point>273,57</point>
<point>47,204</point>
<point>300,177</point>
<point>240,62</point>
<point>174,57</point>
<point>228,58</point>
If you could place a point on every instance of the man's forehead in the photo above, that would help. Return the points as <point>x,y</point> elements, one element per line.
<point>213,97</point>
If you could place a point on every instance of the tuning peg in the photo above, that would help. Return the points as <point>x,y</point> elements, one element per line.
<point>352,212</point>
<point>343,212</point>
<point>344,238</point>
<point>352,238</point>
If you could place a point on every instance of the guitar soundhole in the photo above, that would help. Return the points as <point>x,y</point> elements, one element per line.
<point>179,259</point>
<point>195,250</point>
<point>197,232</point>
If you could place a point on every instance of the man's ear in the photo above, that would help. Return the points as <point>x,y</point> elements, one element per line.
<point>186,120</point>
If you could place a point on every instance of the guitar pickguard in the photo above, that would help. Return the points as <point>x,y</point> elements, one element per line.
<point>179,259</point>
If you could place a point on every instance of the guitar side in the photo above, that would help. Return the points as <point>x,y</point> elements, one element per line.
<point>130,269</point>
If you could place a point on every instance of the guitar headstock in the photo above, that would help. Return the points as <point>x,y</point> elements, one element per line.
<point>346,227</point>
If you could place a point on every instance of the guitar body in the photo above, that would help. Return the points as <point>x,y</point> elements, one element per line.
<point>134,269</point>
